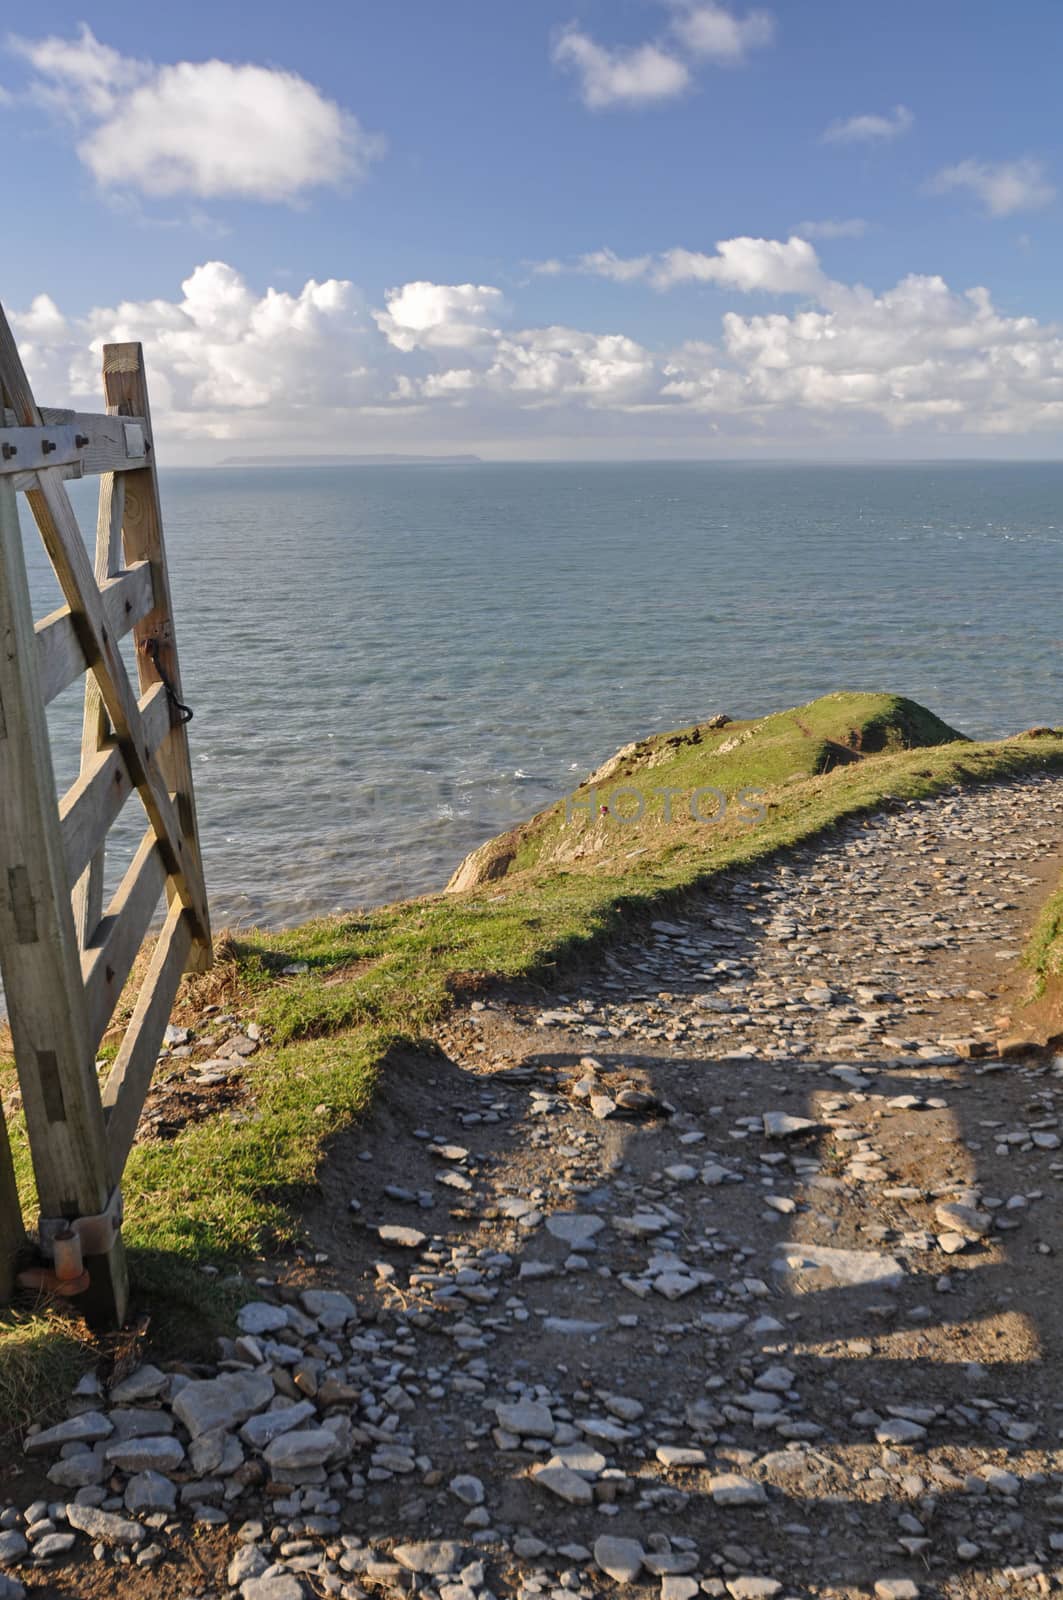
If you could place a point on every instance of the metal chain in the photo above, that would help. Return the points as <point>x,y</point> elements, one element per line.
<point>184,713</point>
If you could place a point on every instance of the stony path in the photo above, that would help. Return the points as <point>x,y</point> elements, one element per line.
<point>734,1272</point>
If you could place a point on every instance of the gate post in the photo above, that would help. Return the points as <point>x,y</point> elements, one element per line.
<point>126,390</point>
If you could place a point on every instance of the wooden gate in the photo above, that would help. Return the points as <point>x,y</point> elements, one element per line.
<point>64,956</point>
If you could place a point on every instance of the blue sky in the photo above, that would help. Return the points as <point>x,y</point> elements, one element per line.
<point>615,228</point>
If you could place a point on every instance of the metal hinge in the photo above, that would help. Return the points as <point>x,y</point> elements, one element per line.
<point>97,1234</point>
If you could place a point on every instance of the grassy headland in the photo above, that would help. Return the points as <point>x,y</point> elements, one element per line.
<point>542,896</point>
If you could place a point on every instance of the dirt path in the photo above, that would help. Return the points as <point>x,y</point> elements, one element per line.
<point>732,1270</point>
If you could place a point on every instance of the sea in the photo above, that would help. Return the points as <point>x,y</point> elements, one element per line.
<point>388,664</point>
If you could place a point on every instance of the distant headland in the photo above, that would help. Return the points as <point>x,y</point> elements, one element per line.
<point>350,461</point>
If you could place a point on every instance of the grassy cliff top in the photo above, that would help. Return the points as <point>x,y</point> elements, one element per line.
<point>657,793</point>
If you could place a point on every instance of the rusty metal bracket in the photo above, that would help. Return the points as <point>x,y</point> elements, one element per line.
<point>97,1234</point>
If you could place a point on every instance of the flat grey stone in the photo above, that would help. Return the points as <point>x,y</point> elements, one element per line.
<point>216,1453</point>
<point>852,1267</point>
<point>674,1455</point>
<point>85,1429</point>
<point>293,1452</point>
<point>138,1422</point>
<point>13,1547</point>
<point>781,1125</point>
<point>331,1308</point>
<point>257,1431</point>
<point>722,1321</point>
<point>104,1525</point>
<point>968,1220</point>
<point>571,1325</point>
<point>579,1458</point>
<point>11,1589</point>
<point>248,1562</point>
<point>146,1383</point>
<point>640,1226</point>
<point>622,1559</point>
<point>148,1492</point>
<point>433,1557</point>
<point>526,1418</point>
<point>53,1545</point>
<point>467,1489</point>
<point>161,1454</point>
<point>222,1402</point>
<point>731,1489</point>
<point>675,1285</point>
<point>775,1379</point>
<point>80,1471</point>
<point>676,1587</point>
<point>404,1238</point>
<point>565,1483</point>
<point>1000,1480</point>
<point>281,1586</point>
<point>576,1229</point>
<point>261,1316</point>
<point>897,1430</point>
<point>753,1588</point>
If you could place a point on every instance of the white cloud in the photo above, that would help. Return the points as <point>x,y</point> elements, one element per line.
<point>635,77</point>
<point>712,33</point>
<point>558,364</point>
<point>832,228</point>
<point>870,128</point>
<point>918,353</point>
<point>768,266</point>
<point>642,74</point>
<point>440,316</point>
<point>78,77</point>
<point>206,128</point>
<point>1003,187</point>
<point>607,264</point>
<point>308,369</point>
<point>216,352</point>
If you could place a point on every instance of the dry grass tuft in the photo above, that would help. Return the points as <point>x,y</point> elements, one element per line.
<point>43,1353</point>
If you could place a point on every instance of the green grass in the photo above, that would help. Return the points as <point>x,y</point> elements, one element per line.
<point>227,1188</point>
<point>1044,953</point>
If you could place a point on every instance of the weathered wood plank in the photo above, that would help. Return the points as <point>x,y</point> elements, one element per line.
<point>38,948</point>
<point>127,599</point>
<point>26,449</point>
<point>130,1076</point>
<point>108,957</point>
<point>25,481</point>
<point>15,392</point>
<point>92,441</point>
<point>126,389</point>
<point>55,518</point>
<point>103,786</point>
<point>95,727</point>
